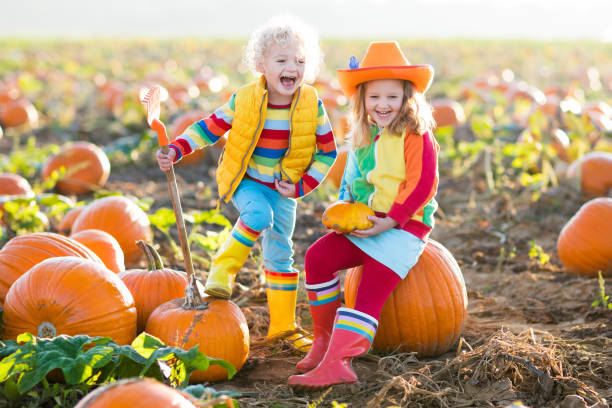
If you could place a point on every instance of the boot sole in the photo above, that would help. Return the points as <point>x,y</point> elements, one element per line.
<point>221,294</point>
<point>303,388</point>
<point>300,342</point>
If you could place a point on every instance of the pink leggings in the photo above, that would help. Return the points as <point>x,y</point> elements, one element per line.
<point>334,252</point>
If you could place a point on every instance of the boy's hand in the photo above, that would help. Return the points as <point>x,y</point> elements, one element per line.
<point>381,224</point>
<point>165,160</point>
<point>286,188</point>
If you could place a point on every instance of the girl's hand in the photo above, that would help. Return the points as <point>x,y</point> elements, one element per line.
<point>165,160</point>
<point>381,224</point>
<point>286,188</point>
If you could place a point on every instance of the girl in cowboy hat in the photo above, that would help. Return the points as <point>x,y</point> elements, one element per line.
<point>279,147</point>
<point>392,167</point>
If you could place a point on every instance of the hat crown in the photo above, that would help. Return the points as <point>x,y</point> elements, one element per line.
<point>384,53</point>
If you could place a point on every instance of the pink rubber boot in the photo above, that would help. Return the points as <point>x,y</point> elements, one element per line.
<point>324,301</point>
<point>352,336</point>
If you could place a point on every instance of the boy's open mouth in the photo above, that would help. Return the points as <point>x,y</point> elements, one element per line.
<point>287,81</point>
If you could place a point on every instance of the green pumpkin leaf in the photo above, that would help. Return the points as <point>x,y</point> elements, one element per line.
<point>163,218</point>
<point>201,391</point>
<point>231,370</point>
<point>8,347</point>
<point>56,201</point>
<point>211,241</point>
<point>88,361</point>
<point>211,217</point>
<point>36,358</point>
<point>145,344</point>
<point>10,391</point>
<point>128,363</point>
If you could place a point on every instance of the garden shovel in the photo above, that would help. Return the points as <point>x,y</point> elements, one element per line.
<point>152,103</point>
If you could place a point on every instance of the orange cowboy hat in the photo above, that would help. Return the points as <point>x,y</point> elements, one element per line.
<point>384,60</point>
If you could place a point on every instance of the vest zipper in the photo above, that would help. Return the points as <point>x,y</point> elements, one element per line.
<point>290,133</point>
<point>251,145</point>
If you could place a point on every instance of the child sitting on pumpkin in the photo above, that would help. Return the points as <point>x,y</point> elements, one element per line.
<point>392,167</point>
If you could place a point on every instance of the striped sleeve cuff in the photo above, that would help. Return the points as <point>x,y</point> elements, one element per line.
<point>178,154</point>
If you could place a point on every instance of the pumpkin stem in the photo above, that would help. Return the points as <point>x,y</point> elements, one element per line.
<point>159,264</point>
<point>46,329</point>
<point>352,199</point>
<point>193,300</point>
<point>154,261</point>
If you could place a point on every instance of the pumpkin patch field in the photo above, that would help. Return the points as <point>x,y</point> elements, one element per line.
<point>510,302</point>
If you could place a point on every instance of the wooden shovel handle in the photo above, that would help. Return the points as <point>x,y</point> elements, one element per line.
<point>178,213</point>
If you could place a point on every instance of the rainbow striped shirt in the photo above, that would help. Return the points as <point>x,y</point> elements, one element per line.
<point>264,165</point>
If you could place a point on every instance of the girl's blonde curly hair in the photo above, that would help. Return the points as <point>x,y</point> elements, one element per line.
<point>285,30</point>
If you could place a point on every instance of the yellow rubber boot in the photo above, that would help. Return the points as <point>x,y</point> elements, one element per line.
<point>230,258</point>
<point>281,289</point>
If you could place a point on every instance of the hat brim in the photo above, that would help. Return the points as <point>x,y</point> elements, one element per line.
<point>419,75</point>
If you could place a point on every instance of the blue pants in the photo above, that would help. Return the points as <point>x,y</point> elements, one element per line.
<point>266,210</point>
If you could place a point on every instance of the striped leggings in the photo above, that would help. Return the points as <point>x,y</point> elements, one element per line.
<point>333,253</point>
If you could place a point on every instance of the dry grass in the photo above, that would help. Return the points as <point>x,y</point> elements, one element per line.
<point>532,366</point>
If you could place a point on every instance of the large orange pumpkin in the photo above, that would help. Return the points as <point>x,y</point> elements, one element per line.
<point>136,392</point>
<point>104,245</point>
<point>154,286</point>
<point>592,173</point>
<point>120,217</point>
<point>87,168</point>
<point>447,112</point>
<point>14,184</point>
<point>218,327</point>
<point>9,91</point>
<point>112,95</point>
<point>70,295</point>
<point>585,244</point>
<point>23,252</point>
<point>18,112</point>
<point>426,311</point>
<point>65,224</point>
<point>522,90</point>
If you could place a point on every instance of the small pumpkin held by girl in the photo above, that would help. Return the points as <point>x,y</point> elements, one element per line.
<point>393,168</point>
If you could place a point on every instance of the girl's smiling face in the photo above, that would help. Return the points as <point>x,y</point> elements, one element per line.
<point>283,67</point>
<point>383,100</point>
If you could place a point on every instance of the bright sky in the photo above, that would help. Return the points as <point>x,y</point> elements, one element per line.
<point>368,19</point>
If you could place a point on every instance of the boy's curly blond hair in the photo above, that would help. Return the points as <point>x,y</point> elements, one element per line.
<point>285,30</point>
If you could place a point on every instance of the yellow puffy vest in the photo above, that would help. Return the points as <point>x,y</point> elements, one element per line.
<point>249,116</point>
